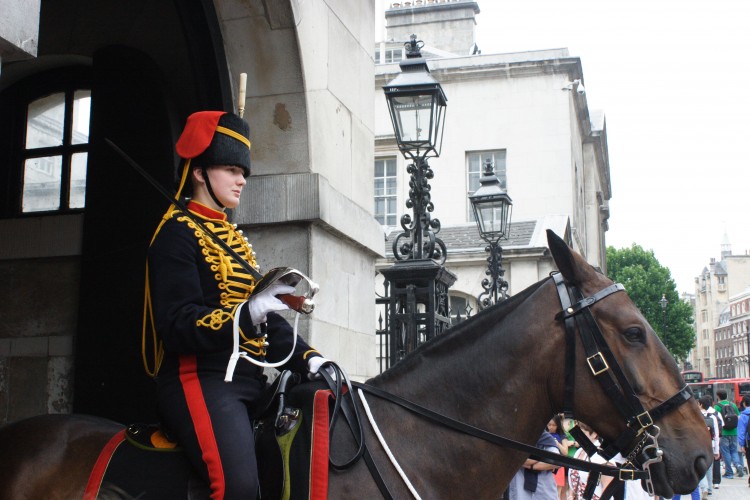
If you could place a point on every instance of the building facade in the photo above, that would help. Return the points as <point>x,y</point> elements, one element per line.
<point>732,338</point>
<point>716,328</point>
<point>528,113</point>
<point>75,221</point>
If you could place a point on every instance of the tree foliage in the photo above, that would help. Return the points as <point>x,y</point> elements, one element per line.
<point>646,281</point>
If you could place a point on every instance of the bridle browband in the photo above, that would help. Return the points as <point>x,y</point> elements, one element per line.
<point>638,443</point>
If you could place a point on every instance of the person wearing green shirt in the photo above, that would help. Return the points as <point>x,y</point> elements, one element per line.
<point>728,441</point>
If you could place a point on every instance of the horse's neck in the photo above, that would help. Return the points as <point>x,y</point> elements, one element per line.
<point>498,380</point>
<point>504,362</point>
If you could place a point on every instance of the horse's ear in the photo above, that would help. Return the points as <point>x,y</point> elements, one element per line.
<point>564,258</point>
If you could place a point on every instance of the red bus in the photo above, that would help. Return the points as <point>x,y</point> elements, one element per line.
<point>735,387</point>
<point>692,376</point>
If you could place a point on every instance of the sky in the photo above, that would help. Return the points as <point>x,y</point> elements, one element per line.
<point>673,81</point>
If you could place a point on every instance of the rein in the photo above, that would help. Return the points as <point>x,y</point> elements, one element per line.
<point>638,443</point>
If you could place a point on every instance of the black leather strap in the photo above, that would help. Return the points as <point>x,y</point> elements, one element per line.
<point>672,403</point>
<point>533,451</point>
<point>586,302</point>
<point>570,349</point>
<point>341,407</point>
<point>348,407</point>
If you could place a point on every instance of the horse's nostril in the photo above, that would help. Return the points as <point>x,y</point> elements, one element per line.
<point>701,465</point>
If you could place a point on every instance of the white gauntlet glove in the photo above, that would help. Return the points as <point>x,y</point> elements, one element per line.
<point>313,366</point>
<point>265,302</point>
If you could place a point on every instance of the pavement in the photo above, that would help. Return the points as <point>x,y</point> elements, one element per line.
<point>731,489</point>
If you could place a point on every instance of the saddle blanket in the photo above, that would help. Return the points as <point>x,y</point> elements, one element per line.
<point>127,468</point>
<point>135,463</point>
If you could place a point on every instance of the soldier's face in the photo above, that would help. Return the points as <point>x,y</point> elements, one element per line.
<point>227,182</point>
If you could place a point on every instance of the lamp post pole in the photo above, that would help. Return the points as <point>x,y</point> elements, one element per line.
<point>495,287</point>
<point>492,209</point>
<point>419,239</point>
<point>418,283</point>
<point>663,303</point>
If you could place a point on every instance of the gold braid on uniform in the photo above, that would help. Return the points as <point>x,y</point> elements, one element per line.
<point>254,346</point>
<point>234,282</point>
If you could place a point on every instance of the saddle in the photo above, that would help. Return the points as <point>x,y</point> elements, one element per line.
<point>270,406</point>
<point>142,462</point>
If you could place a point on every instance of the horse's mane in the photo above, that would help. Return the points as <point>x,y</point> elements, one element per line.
<point>495,313</point>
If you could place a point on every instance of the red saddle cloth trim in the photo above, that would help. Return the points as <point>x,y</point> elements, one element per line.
<point>320,444</point>
<point>97,473</point>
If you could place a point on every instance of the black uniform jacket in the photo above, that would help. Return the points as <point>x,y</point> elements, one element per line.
<point>196,290</point>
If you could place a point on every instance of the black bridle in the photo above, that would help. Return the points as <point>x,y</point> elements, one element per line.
<point>637,443</point>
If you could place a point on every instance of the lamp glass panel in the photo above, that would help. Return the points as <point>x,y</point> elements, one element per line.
<point>414,115</point>
<point>492,218</point>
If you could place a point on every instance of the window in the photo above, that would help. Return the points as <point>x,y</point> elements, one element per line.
<point>389,56</point>
<point>55,152</point>
<point>385,191</point>
<point>475,167</point>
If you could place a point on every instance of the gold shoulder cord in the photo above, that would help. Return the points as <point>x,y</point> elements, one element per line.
<point>148,331</point>
<point>157,346</point>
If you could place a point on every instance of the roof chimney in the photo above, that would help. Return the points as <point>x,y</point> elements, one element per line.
<point>446,25</point>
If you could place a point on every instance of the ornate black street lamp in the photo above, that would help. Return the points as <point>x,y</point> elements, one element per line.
<point>492,210</point>
<point>416,103</point>
<point>418,305</point>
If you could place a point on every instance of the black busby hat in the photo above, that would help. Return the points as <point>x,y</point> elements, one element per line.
<point>216,138</point>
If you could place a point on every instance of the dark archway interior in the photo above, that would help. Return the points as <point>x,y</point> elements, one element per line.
<point>151,64</point>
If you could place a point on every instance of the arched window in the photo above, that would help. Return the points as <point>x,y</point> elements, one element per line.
<point>47,142</point>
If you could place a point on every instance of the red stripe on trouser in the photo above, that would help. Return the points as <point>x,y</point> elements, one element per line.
<point>202,423</point>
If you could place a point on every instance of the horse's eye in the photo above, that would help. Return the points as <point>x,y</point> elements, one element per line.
<point>634,334</point>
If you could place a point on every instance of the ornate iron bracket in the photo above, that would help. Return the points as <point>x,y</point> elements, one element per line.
<point>421,228</point>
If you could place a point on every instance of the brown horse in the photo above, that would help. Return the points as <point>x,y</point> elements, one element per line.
<point>501,371</point>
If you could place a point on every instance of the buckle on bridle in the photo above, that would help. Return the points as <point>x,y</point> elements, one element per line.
<point>600,361</point>
<point>627,474</point>
<point>645,420</point>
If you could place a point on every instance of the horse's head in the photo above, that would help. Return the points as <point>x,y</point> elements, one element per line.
<point>649,370</point>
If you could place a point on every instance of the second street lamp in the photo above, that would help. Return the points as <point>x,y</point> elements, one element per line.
<point>492,210</point>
